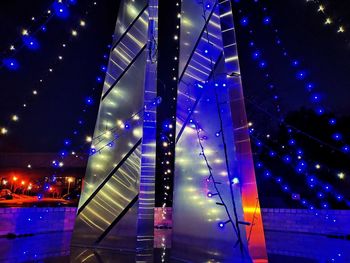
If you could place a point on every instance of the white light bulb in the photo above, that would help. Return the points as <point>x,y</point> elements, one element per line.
<point>3,131</point>
<point>24,32</point>
<point>14,118</point>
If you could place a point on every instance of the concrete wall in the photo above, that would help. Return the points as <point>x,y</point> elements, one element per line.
<point>38,220</point>
<point>21,221</point>
<point>305,221</point>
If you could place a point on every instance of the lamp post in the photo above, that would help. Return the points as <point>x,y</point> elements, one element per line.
<point>69,181</point>
<point>14,179</point>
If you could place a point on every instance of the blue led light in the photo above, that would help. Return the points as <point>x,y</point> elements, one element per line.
<point>319,111</point>
<point>337,136</point>
<point>310,86</point>
<point>99,79</point>
<point>10,63</point>
<point>332,121</point>
<point>291,142</point>
<point>103,68</point>
<point>266,20</point>
<point>295,63</point>
<point>244,21</point>
<point>267,174</point>
<point>339,197</point>
<point>199,85</point>
<point>43,28</point>
<point>262,64</point>
<point>346,148</point>
<point>315,97</point>
<point>92,151</point>
<point>300,75</point>
<point>67,142</point>
<point>89,101</point>
<point>208,6</point>
<point>256,55</point>
<point>221,224</point>
<point>60,10</point>
<point>287,159</point>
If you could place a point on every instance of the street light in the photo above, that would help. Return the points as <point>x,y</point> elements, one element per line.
<point>14,179</point>
<point>69,181</point>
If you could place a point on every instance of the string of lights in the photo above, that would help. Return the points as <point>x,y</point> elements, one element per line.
<point>300,74</point>
<point>311,207</point>
<point>215,183</point>
<point>298,151</point>
<point>336,136</point>
<point>295,159</point>
<point>328,20</point>
<point>28,39</point>
<point>41,83</point>
<point>288,158</point>
<point>292,142</point>
<point>234,221</point>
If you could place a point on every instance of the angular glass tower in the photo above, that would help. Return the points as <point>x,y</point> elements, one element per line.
<point>171,131</point>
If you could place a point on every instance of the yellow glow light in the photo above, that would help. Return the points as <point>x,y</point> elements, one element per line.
<point>341,29</point>
<point>24,32</point>
<point>88,139</point>
<point>317,166</point>
<point>3,131</point>
<point>328,21</point>
<point>14,118</point>
<point>74,33</point>
<point>321,8</point>
<point>82,23</point>
<point>35,92</point>
<point>341,175</point>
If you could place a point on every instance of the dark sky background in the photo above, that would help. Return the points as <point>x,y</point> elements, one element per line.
<point>53,115</point>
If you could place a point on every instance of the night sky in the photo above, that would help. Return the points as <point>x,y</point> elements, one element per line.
<point>53,115</point>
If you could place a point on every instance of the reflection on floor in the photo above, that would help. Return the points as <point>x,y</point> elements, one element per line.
<point>282,247</point>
